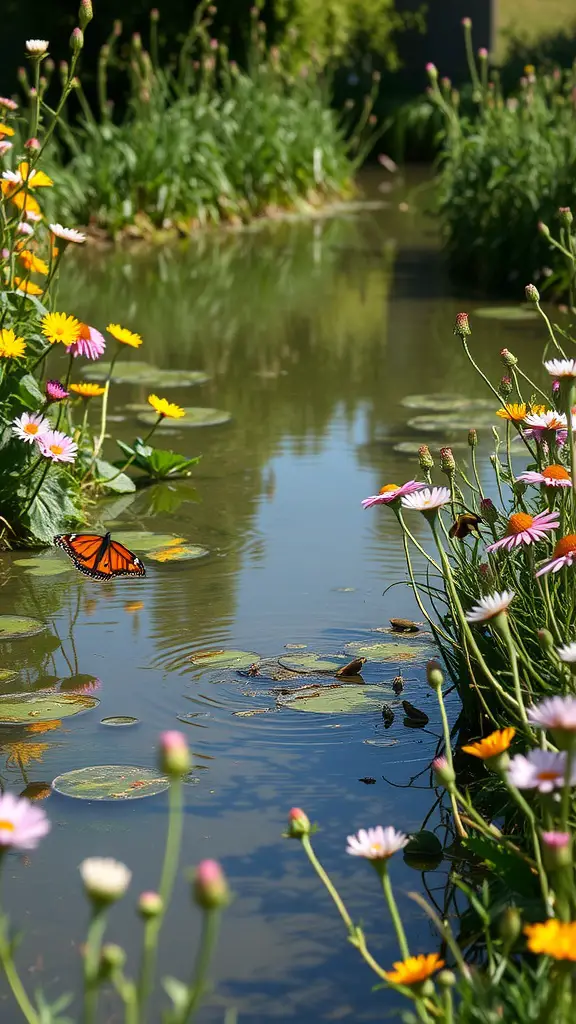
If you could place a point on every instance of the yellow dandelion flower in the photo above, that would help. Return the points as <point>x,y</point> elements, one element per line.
<point>34,177</point>
<point>165,408</point>
<point>28,287</point>
<point>32,262</point>
<point>493,745</point>
<point>529,69</point>
<point>517,411</point>
<point>60,327</point>
<point>11,347</point>
<point>5,129</point>
<point>553,938</point>
<point>22,199</point>
<point>88,390</point>
<point>124,336</point>
<point>415,969</point>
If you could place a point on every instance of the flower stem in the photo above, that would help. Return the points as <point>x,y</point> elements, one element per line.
<point>393,908</point>
<point>323,876</point>
<point>448,749</point>
<point>208,938</point>
<point>92,964</point>
<point>12,976</point>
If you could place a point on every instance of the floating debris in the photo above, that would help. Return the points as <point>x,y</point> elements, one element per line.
<point>111,782</point>
<point>353,668</point>
<point>414,714</point>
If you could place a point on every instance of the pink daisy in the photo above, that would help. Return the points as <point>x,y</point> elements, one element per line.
<point>58,446</point>
<point>22,826</point>
<point>555,713</point>
<point>55,391</point>
<point>30,427</point>
<point>526,529</point>
<point>563,555</point>
<point>539,423</point>
<point>552,476</point>
<point>90,343</point>
<point>543,770</point>
<point>8,103</point>
<point>391,492</point>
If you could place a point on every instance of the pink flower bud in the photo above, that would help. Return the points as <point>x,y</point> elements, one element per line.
<point>174,754</point>
<point>462,327</point>
<point>556,849</point>
<point>466,22</point>
<point>298,824</point>
<point>76,40</point>
<point>532,293</point>
<point>483,53</point>
<point>154,14</point>
<point>85,14</point>
<point>32,144</point>
<point>210,887</point>
<point>443,773</point>
<point>150,904</point>
<point>507,357</point>
<point>213,44</point>
<point>431,70</point>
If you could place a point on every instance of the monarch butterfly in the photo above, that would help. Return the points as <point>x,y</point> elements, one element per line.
<point>101,558</point>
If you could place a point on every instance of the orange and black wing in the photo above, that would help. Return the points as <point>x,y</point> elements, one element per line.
<point>98,557</point>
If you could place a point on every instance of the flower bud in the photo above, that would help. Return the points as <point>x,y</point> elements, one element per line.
<point>473,438</point>
<point>544,229</point>
<point>482,53</point>
<point>210,887</point>
<point>112,956</point>
<point>105,880</point>
<point>545,639</point>
<point>505,388</point>
<point>510,925</point>
<point>466,22</point>
<point>426,989</point>
<point>63,69</point>
<point>117,28</point>
<point>532,293</point>
<point>22,77</point>
<point>462,327</point>
<point>298,824</point>
<point>556,850</point>
<point>76,40</point>
<point>85,13</point>
<point>447,979</point>
<point>434,674</point>
<point>150,904</point>
<point>432,71</point>
<point>488,511</point>
<point>174,754</point>
<point>425,458</point>
<point>154,14</point>
<point>507,357</point>
<point>565,215</point>
<point>447,463</point>
<point>33,145</point>
<point>443,774</point>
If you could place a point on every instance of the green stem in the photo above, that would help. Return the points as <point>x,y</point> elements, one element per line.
<point>570,402</point>
<point>325,879</point>
<point>208,938</point>
<point>12,976</point>
<point>393,908</point>
<point>92,963</point>
<point>448,749</point>
<point>500,623</point>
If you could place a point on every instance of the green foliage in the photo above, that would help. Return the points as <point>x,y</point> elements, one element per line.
<point>156,462</point>
<point>334,28</point>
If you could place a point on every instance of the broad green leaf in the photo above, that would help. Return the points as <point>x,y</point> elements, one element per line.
<point>110,478</point>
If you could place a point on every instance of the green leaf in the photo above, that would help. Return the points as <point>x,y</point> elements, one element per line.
<point>177,991</point>
<point>110,478</point>
<point>157,462</point>
<point>54,508</point>
<point>513,871</point>
<point>29,393</point>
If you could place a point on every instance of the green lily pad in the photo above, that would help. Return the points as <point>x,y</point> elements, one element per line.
<point>119,720</point>
<point>402,651</point>
<point>16,626</point>
<point>445,403</point>
<point>224,659</point>
<point>312,663</point>
<point>424,851</point>
<point>24,708</point>
<point>145,540</point>
<point>135,371</point>
<point>506,312</point>
<point>337,699</point>
<point>452,423</point>
<point>412,447</point>
<point>45,566</point>
<point>177,553</point>
<point>196,416</point>
<point>111,782</point>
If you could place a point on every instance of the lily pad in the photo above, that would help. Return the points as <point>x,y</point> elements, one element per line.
<point>16,626</point>
<point>412,447</point>
<point>196,416</point>
<point>224,659</point>
<point>312,663</point>
<point>452,423</point>
<point>45,566</point>
<point>506,312</point>
<point>24,708</point>
<point>402,651</point>
<point>111,782</point>
<point>445,403</point>
<point>176,553</point>
<point>119,720</point>
<point>145,540</point>
<point>424,851</point>
<point>138,372</point>
<point>337,699</point>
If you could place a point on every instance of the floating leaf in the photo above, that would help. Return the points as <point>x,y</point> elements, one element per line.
<point>24,708</point>
<point>312,663</point>
<point>402,651</point>
<point>129,371</point>
<point>224,659</point>
<point>119,720</point>
<point>337,699</point>
<point>445,403</point>
<point>80,682</point>
<point>195,416</point>
<point>424,851</point>
<point>451,424</point>
<point>145,540</point>
<point>49,566</point>
<point>176,553</point>
<point>252,712</point>
<point>413,714</point>
<point>111,782</point>
<point>15,626</point>
<point>506,312</point>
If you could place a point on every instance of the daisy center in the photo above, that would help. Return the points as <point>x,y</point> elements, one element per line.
<point>556,473</point>
<point>389,487</point>
<point>565,546</point>
<point>548,776</point>
<point>376,849</point>
<point>31,428</point>
<point>519,522</point>
<point>7,826</point>
<point>84,332</point>
<point>56,449</point>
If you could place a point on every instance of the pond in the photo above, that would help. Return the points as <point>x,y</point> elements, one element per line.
<point>310,333</point>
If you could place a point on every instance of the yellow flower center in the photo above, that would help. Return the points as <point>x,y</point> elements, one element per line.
<point>31,428</point>
<point>565,546</point>
<point>519,522</point>
<point>548,776</point>
<point>7,826</point>
<point>56,449</point>
<point>389,487</point>
<point>556,473</point>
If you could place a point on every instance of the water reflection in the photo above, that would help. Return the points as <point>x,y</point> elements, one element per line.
<point>311,334</point>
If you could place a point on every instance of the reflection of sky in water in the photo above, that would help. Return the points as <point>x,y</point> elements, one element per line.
<point>312,342</point>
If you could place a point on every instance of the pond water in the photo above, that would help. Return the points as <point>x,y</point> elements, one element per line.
<point>310,334</point>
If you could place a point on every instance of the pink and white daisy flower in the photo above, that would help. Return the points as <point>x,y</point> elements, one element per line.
<point>563,556</point>
<point>561,367</point>
<point>90,343</point>
<point>490,606</point>
<point>24,228</point>
<point>543,770</point>
<point>567,654</point>
<point>67,234</point>
<point>105,879</point>
<point>30,427</point>
<point>7,103</point>
<point>58,446</point>
<point>427,499</point>
<point>36,47</point>
<point>22,825</point>
<point>555,713</point>
<point>526,529</point>
<point>5,147</point>
<point>392,492</point>
<point>552,476</point>
<point>539,423</point>
<point>556,840</point>
<point>33,216</point>
<point>376,843</point>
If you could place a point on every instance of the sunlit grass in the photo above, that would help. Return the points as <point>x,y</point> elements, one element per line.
<point>530,20</point>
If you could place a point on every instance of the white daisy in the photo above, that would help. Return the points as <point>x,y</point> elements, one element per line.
<point>105,879</point>
<point>490,606</point>
<point>543,770</point>
<point>37,47</point>
<point>30,426</point>
<point>555,713</point>
<point>561,367</point>
<point>376,843</point>
<point>67,234</point>
<point>567,653</point>
<point>426,499</point>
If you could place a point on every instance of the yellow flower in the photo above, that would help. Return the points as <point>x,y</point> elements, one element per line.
<point>5,129</point>
<point>493,745</point>
<point>165,408</point>
<point>11,347</point>
<point>22,199</point>
<point>123,335</point>
<point>34,178</point>
<point>415,969</point>
<point>32,262</point>
<point>28,287</point>
<point>60,327</point>
<point>88,390</point>
<point>553,938</point>
<point>529,69</point>
<point>516,412</point>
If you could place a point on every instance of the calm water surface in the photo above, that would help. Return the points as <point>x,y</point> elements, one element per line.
<point>311,334</point>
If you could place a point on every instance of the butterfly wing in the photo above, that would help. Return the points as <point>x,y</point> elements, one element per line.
<point>99,557</point>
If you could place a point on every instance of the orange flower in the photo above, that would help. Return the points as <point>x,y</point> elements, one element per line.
<point>553,938</point>
<point>493,745</point>
<point>516,412</point>
<point>415,969</point>
<point>32,262</point>
<point>5,129</point>
<point>28,287</point>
